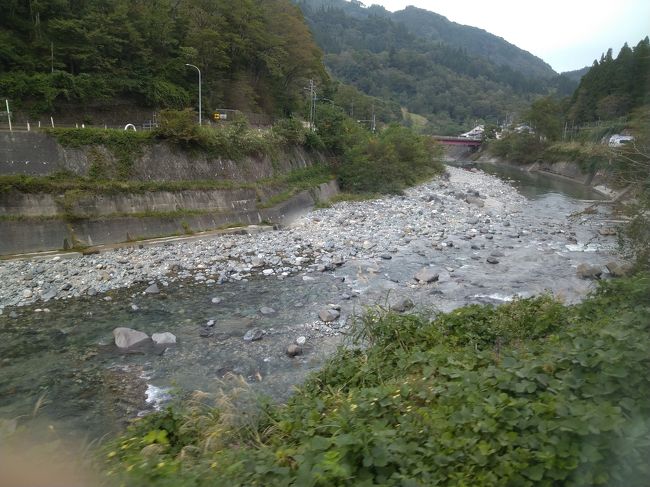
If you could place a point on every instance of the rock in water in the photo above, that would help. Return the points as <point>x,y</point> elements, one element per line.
<point>165,338</point>
<point>267,311</point>
<point>426,275</point>
<point>401,305</point>
<point>294,350</point>
<point>587,271</point>
<point>153,289</point>
<point>492,260</point>
<point>127,337</point>
<point>253,335</point>
<point>328,315</point>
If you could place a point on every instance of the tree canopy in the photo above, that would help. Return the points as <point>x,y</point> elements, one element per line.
<point>254,54</point>
<point>613,87</point>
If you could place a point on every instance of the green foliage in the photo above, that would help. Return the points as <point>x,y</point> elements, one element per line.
<point>178,126</point>
<point>562,399</point>
<point>125,147</point>
<point>291,131</point>
<point>254,56</point>
<point>521,148</point>
<point>613,87</point>
<point>545,115</point>
<point>393,160</point>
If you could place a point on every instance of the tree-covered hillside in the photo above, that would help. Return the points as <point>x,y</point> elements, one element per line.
<point>254,55</point>
<point>454,75</point>
<point>613,87</point>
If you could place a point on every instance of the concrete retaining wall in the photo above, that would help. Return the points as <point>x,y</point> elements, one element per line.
<point>37,154</point>
<point>21,236</point>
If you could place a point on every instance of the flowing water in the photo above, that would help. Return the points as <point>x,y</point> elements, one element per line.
<point>59,358</point>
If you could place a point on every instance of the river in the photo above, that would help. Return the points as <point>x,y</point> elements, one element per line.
<point>61,372</point>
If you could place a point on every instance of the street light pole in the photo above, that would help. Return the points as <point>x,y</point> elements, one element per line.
<point>195,67</point>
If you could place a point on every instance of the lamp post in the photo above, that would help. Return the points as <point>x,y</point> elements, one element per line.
<point>195,67</point>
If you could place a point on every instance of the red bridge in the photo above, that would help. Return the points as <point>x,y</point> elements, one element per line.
<point>449,140</point>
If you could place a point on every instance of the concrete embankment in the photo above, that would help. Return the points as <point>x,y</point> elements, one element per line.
<point>50,220</point>
<point>600,180</point>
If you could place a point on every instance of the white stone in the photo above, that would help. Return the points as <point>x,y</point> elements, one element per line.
<point>127,337</point>
<point>165,338</point>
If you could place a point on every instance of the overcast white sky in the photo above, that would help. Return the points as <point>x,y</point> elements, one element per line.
<point>567,34</point>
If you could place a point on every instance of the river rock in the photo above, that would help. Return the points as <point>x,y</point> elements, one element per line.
<point>473,200</point>
<point>588,271</point>
<point>619,269</point>
<point>328,315</point>
<point>492,260</point>
<point>607,231</point>
<point>127,337</point>
<point>165,338</point>
<point>253,335</point>
<point>402,305</point>
<point>294,350</point>
<point>153,289</point>
<point>216,300</point>
<point>426,275</point>
<point>301,340</point>
<point>27,293</point>
<point>267,311</point>
<point>49,294</point>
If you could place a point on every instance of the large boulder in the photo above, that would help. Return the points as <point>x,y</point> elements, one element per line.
<point>127,337</point>
<point>328,315</point>
<point>619,269</point>
<point>402,305</point>
<point>588,271</point>
<point>426,275</point>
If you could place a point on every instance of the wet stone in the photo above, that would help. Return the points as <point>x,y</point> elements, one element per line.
<point>253,335</point>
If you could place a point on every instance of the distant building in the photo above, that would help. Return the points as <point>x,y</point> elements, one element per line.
<point>523,128</point>
<point>619,140</point>
<point>475,133</point>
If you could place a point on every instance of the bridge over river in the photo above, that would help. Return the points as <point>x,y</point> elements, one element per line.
<point>463,141</point>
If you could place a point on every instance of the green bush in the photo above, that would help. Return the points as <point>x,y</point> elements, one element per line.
<point>178,126</point>
<point>389,162</point>
<point>291,131</point>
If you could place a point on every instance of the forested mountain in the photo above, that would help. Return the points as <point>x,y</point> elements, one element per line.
<point>613,87</point>
<point>474,40</point>
<point>577,74</point>
<point>254,54</point>
<point>406,57</point>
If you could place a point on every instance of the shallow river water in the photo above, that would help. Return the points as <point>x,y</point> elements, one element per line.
<point>59,368</point>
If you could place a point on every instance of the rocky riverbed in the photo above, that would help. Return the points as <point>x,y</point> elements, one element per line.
<point>469,211</point>
<point>271,307</point>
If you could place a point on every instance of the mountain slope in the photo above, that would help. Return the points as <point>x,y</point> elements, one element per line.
<point>446,82</point>
<point>476,41</point>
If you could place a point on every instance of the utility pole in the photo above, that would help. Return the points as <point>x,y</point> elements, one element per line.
<point>195,67</point>
<point>374,119</point>
<point>8,115</point>
<point>312,105</point>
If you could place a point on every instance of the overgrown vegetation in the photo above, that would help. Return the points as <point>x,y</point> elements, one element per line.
<point>529,393</point>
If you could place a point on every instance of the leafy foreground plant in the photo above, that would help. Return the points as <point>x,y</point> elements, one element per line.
<point>530,393</point>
